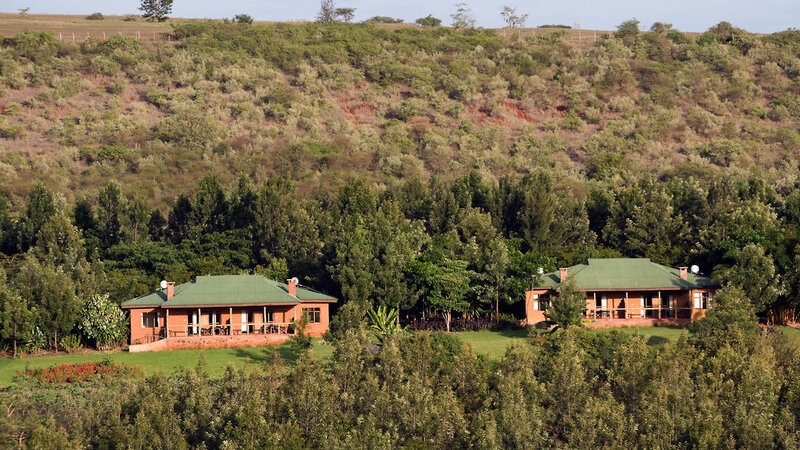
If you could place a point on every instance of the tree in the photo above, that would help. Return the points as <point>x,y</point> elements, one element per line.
<point>327,11</point>
<point>753,272</point>
<point>52,293</point>
<point>139,216</point>
<point>244,19</point>
<point>384,323</point>
<point>730,322</point>
<point>628,29</point>
<point>429,21</point>
<point>110,211</point>
<point>445,283</point>
<point>156,10</point>
<point>512,19</point>
<point>16,319</point>
<point>462,18</point>
<point>568,308</point>
<point>102,320</point>
<point>346,14</point>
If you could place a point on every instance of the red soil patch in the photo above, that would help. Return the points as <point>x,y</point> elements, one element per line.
<point>356,110</point>
<point>518,112</point>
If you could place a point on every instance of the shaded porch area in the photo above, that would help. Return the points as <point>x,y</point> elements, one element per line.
<point>230,321</point>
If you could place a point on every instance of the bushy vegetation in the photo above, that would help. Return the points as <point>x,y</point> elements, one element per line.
<point>572,389</point>
<point>371,161</point>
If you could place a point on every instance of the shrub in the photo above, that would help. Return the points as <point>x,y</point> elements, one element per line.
<point>71,343</point>
<point>35,340</point>
<point>300,342</point>
<point>244,19</point>
<point>85,372</point>
<point>428,21</point>
<point>385,19</point>
<point>628,29</point>
<point>130,18</point>
<point>349,317</point>
<point>95,16</point>
<point>191,129</point>
<point>102,320</point>
<point>778,113</point>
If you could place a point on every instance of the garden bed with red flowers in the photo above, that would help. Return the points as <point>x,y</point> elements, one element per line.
<point>81,372</point>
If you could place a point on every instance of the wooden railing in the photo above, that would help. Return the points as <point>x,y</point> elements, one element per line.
<point>216,329</point>
<point>625,313</point>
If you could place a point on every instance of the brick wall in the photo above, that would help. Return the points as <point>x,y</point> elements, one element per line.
<point>176,343</point>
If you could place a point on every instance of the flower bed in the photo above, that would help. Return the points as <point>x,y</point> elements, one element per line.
<point>80,372</point>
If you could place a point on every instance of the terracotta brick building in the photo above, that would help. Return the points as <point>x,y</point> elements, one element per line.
<point>626,291</point>
<point>224,311</point>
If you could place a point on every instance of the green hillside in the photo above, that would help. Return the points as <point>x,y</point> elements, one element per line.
<point>321,103</point>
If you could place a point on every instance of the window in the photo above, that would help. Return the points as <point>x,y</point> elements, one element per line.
<point>270,317</point>
<point>150,319</point>
<point>705,300</point>
<point>213,318</point>
<point>544,303</point>
<point>312,314</point>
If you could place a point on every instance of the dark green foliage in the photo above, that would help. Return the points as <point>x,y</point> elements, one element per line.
<point>245,19</point>
<point>729,323</point>
<point>95,16</point>
<point>156,10</point>
<point>384,19</point>
<point>577,389</point>
<point>428,21</point>
<point>568,307</point>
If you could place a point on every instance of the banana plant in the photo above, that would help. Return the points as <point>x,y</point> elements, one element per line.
<point>384,323</point>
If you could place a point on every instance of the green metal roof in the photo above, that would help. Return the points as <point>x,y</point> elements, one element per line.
<point>624,273</point>
<point>228,290</point>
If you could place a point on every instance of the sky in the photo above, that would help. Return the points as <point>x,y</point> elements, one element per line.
<point>763,16</point>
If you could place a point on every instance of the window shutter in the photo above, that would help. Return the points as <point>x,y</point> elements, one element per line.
<point>535,302</point>
<point>142,320</point>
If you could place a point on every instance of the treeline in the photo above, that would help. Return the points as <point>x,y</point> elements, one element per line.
<point>469,246</point>
<point>726,385</point>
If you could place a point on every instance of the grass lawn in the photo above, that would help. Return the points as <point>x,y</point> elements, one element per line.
<point>492,344</point>
<point>167,361</point>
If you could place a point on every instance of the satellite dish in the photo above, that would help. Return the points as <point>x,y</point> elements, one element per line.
<point>695,269</point>
<point>163,284</point>
<point>540,271</point>
<point>294,280</point>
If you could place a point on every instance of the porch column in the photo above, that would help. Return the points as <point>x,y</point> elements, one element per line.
<point>264,321</point>
<point>626,305</point>
<point>166,323</point>
<point>660,305</point>
<point>199,322</point>
<point>230,322</point>
<point>594,295</point>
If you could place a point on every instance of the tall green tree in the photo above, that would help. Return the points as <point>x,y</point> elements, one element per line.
<point>51,293</point>
<point>110,214</point>
<point>16,318</point>
<point>754,272</point>
<point>156,10</point>
<point>445,284</point>
<point>568,308</point>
